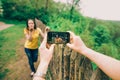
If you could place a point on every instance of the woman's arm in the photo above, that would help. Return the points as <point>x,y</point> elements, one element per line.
<point>45,57</point>
<point>107,64</point>
<point>29,36</point>
<point>41,71</point>
<point>41,33</point>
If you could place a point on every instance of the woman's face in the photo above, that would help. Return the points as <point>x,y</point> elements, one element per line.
<point>30,24</point>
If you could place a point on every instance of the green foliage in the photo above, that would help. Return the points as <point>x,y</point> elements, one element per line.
<point>8,7</point>
<point>78,28</point>
<point>94,66</point>
<point>62,22</point>
<point>2,38</point>
<point>44,15</point>
<point>58,25</point>
<point>101,35</point>
<point>115,31</point>
<point>75,17</point>
<point>92,24</point>
<point>117,41</point>
<point>8,44</point>
<point>3,73</point>
<point>15,9</point>
<point>88,39</point>
<point>109,49</point>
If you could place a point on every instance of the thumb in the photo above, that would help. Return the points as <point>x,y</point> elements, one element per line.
<point>52,47</point>
<point>69,45</point>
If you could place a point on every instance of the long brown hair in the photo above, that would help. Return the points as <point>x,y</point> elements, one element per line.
<point>33,21</point>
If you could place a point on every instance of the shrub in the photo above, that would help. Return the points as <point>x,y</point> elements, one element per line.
<point>101,35</point>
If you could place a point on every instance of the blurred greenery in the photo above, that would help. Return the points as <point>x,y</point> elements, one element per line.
<point>101,35</point>
<point>8,44</point>
<point>3,73</point>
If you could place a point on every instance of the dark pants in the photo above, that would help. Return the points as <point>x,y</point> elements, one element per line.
<point>32,55</point>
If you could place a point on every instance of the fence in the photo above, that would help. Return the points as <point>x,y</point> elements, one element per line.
<point>67,64</point>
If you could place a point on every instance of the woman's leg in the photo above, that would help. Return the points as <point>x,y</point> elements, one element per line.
<point>35,55</point>
<point>29,55</point>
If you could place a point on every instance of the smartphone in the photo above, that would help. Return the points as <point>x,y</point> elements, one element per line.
<point>58,37</point>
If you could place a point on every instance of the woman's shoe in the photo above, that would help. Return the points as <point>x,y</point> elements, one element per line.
<point>32,74</point>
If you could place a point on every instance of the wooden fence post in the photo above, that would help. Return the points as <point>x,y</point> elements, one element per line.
<point>69,65</point>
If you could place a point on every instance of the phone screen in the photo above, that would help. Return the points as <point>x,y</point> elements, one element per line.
<point>58,37</point>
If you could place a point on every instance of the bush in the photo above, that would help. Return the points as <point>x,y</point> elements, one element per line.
<point>16,9</point>
<point>117,41</point>
<point>109,49</point>
<point>101,35</point>
<point>43,15</point>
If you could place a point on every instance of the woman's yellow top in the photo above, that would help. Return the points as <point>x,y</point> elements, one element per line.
<point>35,37</point>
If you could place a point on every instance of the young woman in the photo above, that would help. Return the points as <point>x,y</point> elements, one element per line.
<point>32,34</point>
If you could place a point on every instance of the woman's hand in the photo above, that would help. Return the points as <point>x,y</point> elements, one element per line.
<point>47,29</point>
<point>76,43</point>
<point>45,57</point>
<point>45,53</point>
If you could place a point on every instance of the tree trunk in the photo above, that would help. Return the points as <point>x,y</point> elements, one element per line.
<point>46,5</point>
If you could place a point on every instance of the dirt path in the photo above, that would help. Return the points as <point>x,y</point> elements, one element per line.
<point>19,70</point>
<point>4,26</point>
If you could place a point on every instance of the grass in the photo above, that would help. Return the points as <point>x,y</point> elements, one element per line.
<point>8,44</point>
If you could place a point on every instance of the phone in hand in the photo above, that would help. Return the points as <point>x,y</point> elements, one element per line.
<point>58,37</point>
